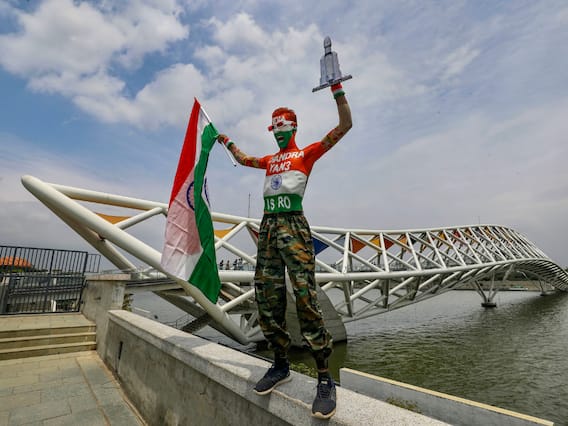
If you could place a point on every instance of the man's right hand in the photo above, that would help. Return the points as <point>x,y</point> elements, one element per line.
<point>224,139</point>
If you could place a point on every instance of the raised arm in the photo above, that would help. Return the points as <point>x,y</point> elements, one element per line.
<point>241,157</point>
<point>344,113</point>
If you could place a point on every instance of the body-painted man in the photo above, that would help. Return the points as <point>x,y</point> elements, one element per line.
<point>285,241</point>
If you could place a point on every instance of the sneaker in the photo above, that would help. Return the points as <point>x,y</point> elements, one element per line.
<point>324,404</point>
<point>273,377</point>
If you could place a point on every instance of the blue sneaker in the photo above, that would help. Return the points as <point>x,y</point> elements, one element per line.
<point>325,402</point>
<point>273,377</point>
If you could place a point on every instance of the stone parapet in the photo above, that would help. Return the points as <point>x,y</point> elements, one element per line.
<point>103,293</point>
<point>448,408</point>
<point>174,378</point>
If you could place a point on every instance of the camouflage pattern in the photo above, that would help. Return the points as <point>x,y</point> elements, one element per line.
<point>285,240</point>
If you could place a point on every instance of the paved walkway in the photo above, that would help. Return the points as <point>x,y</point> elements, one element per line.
<point>66,389</point>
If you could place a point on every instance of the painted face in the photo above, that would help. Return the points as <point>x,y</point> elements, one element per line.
<point>283,130</point>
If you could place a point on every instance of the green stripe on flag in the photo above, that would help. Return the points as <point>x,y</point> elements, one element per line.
<point>205,276</point>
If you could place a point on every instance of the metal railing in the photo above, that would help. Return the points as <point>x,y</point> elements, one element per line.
<point>40,280</point>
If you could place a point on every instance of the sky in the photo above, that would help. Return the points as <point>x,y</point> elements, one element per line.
<point>460,108</point>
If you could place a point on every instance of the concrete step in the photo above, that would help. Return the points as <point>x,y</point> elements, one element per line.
<point>43,340</point>
<point>23,336</point>
<point>45,331</point>
<point>46,350</point>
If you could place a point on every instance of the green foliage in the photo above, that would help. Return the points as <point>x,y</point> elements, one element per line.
<point>302,368</point>
<point>407,405</point>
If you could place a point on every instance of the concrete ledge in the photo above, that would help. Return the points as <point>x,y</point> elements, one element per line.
<point>103,293</point>
<point>448,408</point>
<point>174,378</point>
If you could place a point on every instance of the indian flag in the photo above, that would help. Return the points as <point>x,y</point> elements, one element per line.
<point>189,247</point>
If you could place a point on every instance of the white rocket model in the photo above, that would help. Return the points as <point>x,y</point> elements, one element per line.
<point>329,64</point>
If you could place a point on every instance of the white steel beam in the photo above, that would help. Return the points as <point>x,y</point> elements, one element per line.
<point>419,263</point>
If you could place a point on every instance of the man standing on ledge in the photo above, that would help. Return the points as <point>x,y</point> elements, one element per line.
<point>285,241</point>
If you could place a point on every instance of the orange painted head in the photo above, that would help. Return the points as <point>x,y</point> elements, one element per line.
<point>288,114</point>
<point>284,125</point>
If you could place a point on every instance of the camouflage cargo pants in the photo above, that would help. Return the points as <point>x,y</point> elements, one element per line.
<point>285,240</point>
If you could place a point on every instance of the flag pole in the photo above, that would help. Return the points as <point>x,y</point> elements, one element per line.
<point>224,146</point>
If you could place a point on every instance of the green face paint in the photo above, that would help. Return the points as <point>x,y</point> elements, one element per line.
<point>282,138</point>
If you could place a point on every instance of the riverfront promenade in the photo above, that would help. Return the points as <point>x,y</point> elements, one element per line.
<point>176,378</point>
<point>56,388</point>
<point>66,389</point>
<point>78,388</point>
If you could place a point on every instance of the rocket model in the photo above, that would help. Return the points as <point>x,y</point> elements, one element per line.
<point>329,64</point>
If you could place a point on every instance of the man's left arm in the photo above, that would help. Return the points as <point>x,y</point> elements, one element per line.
<point>344,113</point>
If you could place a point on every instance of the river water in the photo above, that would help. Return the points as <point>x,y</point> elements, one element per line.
<point>514,356</point>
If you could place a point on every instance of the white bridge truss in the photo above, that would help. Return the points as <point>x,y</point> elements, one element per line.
<point>364,272</point>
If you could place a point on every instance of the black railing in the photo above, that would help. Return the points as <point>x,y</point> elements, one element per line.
<point>38,280</point>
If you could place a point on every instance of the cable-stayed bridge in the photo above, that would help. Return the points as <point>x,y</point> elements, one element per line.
<point>361,272</point>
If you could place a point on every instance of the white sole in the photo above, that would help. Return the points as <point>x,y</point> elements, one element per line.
<point>323,416</point>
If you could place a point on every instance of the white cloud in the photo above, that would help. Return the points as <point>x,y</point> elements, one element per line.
<point>376,80</point>
<point>72,85</point>
<point>458,60</point>
<point>213,56</point>
<point>240,34</point>
<point>148,26</point>
<point>506,172</point>
<point>24,220</point>
<point>46,165</point>
<point>452,116</point>
<point>60,37</point>
<point>168,98</point>
<point>165,100</point>
<point>562,16</point>
<point>70,48</point>
<point>82,42</point>
<point>482,154</point>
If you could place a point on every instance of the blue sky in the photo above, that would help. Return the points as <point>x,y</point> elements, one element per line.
<point>459,107</point>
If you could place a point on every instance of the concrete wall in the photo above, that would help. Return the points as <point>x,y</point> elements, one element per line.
<point>103,293</point>
<point>174,378</point>
<point>448,408</point>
